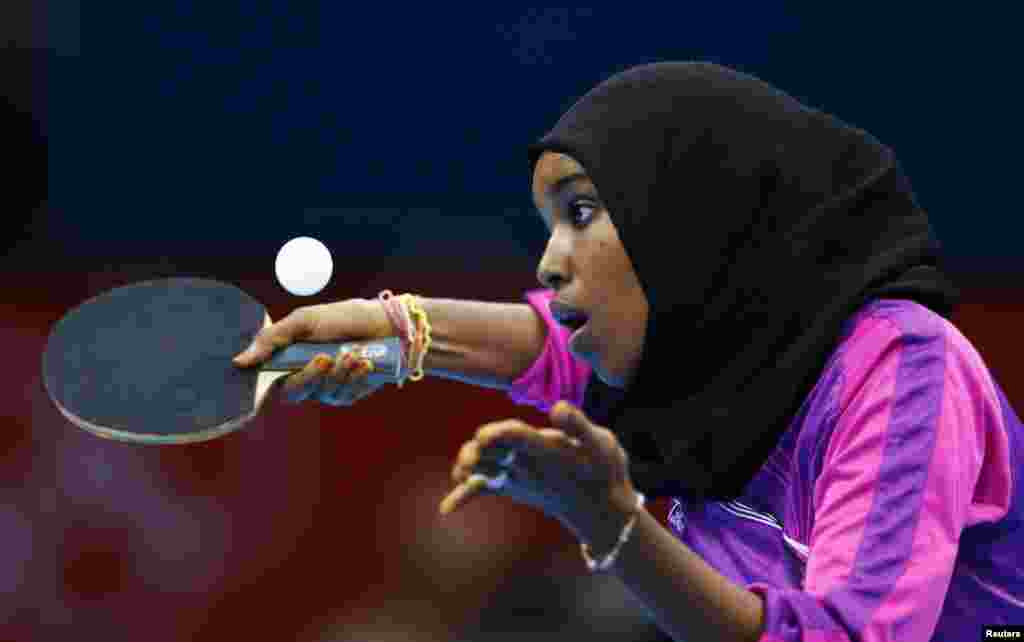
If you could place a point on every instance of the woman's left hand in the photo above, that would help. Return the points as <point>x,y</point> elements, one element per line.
<point>575,471</point>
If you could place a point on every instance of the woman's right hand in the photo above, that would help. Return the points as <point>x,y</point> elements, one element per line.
<point>326,378</point>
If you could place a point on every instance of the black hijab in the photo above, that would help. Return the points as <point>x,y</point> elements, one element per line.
<point>756,226</point>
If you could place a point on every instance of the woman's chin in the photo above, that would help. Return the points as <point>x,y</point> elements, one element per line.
<point>608,378</point>
<point>581,344</point>
<point>583,347</point>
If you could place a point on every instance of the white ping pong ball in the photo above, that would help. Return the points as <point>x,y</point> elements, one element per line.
<point>304,266</point>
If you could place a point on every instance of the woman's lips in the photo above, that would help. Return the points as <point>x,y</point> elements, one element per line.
<point>580,328</point>
<point>575,323</point>
<point>570,317</point>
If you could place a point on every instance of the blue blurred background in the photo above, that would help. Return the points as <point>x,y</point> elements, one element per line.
<point>174,137</point>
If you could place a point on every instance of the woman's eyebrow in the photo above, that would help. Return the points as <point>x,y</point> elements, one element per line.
<point>562,182</point>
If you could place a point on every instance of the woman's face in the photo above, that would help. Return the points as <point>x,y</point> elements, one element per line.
<point>587,266</point>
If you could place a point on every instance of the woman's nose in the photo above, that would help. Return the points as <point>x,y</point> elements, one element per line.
<point>551,279</point>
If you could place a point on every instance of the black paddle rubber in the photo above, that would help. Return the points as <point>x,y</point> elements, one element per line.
<point>151,362</point>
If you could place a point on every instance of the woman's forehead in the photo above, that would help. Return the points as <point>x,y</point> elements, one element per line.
<point>551,167</point>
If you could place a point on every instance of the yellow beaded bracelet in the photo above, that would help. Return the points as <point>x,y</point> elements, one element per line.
<point>422,341</point>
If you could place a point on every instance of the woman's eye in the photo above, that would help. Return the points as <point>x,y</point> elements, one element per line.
<point>580,213</point>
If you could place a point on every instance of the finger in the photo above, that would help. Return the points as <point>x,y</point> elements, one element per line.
<point>574,423</point>
<point>498,430</point>
<point>366,366</point>
<point>359,383</point>
<point>568,447</point>
<point>352,388</point>
<point>298,325</point>
<point>339,375</point>
<point>466,461</point>
<point>298,386</point>
<point>356,390</point>
<point>558,439</point>
<point>463,494</point>
<point>516,435</point>
<point>564,445</point>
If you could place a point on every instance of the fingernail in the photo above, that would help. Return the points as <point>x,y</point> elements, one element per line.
<point>565,411</point>
<point>445,507</point>
<point>249,349</point>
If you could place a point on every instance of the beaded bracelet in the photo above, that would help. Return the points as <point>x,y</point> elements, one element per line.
<point>403,327</point>
<point>415,335</point>
<point>399,317</point>
<point>413,328</point>
<point>421,342</point>
<point>606,562</point>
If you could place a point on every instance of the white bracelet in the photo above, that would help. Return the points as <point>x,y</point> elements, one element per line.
<point>605,563</point>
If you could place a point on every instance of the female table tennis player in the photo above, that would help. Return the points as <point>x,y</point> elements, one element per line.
<point>767,342</point>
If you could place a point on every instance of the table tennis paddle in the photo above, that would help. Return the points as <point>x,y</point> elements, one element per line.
<point>151,362</point>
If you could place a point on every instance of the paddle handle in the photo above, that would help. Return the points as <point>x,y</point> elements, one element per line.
<point>386,355</point>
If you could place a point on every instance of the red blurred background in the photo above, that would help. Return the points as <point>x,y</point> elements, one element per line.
<point>314,523</point>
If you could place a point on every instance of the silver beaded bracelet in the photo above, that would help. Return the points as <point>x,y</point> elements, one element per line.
<point>606,562</point>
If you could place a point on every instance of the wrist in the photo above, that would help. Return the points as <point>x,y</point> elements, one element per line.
<point>377,322</point>
<point>606,560</point>
<point>601,526</point>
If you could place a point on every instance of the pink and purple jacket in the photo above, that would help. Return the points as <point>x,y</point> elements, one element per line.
<point>889,509</point>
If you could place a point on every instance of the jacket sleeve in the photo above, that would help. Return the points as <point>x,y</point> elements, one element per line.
<point>556,374</point>
<point>893,493</point>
